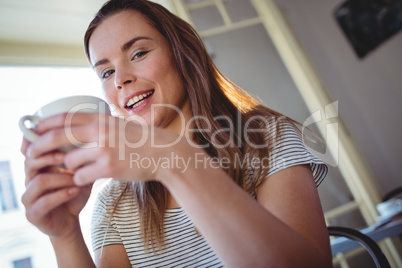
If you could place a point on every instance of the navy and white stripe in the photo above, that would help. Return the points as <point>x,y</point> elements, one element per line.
<point>183,246</point>
<point>289,150</point>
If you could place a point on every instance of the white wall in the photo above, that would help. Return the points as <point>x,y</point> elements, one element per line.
<point>369,90</point>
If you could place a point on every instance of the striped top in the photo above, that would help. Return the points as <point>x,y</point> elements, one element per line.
<point>183,246</point>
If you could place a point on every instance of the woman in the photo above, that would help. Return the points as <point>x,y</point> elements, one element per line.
<point>203,175</point>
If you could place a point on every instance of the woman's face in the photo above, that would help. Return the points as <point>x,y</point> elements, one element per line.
<point>135,65</point>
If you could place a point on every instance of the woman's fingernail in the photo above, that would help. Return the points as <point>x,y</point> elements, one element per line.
<point>77,180</point>
<point>73,191</point>
<point>59,157</point>
<point>29,151</point>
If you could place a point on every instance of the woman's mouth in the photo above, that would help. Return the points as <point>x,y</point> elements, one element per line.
<point>136,101</point>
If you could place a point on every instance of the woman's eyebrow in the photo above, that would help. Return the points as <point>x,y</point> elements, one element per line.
<point>128,44</point>
<point>100,62</point>
<point>124,47</point>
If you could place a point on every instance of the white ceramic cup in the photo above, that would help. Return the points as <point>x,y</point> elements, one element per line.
<point>73,104</point>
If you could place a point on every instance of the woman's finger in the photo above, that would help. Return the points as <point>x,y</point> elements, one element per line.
<point>34,165</point>
<point>91,172</point>
<point>46,203</point>
<point>80,157</point>
<point>24,146</point>
<point>43,184</point>
<point>81,136</point>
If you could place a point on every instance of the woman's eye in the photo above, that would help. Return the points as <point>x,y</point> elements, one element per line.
<point>107,74</point>
<point>139,54</point>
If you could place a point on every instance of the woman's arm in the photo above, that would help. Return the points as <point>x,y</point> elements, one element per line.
<point>72,251</point>
<point>53,203</point>
<point>112,256</point>
<point>285,228</point>
<point>291,195</point>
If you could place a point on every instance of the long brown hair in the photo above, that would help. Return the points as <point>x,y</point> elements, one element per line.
<point>211,96</point>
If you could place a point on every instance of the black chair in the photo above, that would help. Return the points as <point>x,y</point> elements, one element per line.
<point>393,193</point>
<point>369,244</point>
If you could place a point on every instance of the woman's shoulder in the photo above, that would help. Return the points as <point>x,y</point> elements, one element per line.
<point>110,191</point>
<point>112,198</point>
<point>288,147</point>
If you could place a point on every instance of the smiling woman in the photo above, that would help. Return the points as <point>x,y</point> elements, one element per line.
<point>154,67</point>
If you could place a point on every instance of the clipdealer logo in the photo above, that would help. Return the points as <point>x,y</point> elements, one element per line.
<point>327,115</point>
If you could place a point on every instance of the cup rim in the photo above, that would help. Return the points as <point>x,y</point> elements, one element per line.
<point>80,99</point>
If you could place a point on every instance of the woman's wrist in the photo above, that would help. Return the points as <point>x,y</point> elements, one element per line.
<point>181,159</point>
<point>70,237</point>
<point>71,249</point>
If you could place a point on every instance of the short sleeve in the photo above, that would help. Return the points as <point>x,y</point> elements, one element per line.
<point>103,231</point>
<point>289,150</point>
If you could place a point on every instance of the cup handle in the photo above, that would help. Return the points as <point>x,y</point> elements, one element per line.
<point>29,134</point>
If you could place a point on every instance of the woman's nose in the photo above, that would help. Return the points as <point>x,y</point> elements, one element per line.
<point>123,78</point>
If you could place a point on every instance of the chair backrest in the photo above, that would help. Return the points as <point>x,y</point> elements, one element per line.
<point>369,244</point>
<point>393,193</point>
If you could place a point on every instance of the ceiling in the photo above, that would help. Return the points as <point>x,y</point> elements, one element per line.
<point>35,29</point>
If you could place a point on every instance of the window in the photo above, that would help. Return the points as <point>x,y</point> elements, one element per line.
<point>8,198</point>
<point>23,263</point>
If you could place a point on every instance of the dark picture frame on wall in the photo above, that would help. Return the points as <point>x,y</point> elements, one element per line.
<point>369,23</point>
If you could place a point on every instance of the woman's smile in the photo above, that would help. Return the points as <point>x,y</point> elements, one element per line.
<point>138,101</point>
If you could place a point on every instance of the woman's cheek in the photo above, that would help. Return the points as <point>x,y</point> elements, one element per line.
<point>110,94</point>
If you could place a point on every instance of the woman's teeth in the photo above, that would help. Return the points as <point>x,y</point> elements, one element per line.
<point>138,100</point>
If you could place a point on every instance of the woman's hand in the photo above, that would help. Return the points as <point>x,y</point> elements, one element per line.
<point>52,200</point>
<point>107,146</point>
